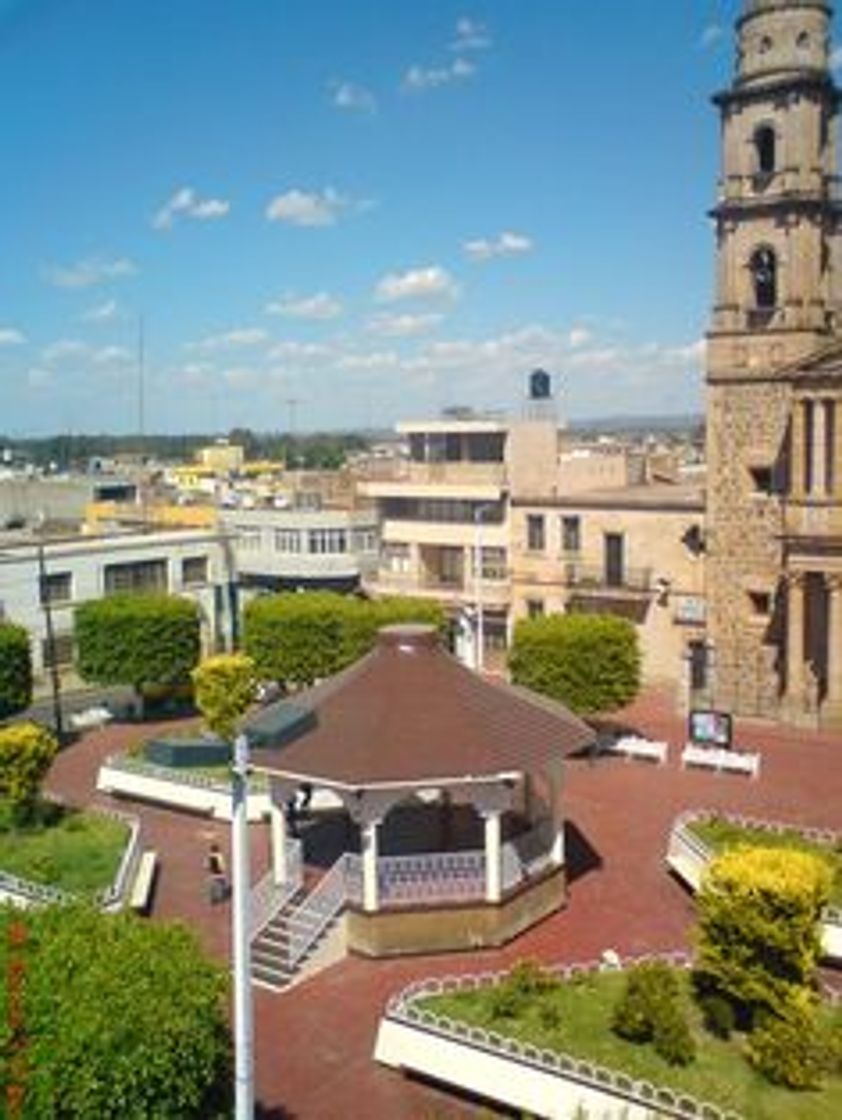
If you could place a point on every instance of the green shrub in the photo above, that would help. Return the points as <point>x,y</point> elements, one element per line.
<point>137,640</point>
<point>504,1002</point>
<point>758,937</point>
<point>719,1017</point>
<point>591,663</point>
<point>791,1050</point>
<point>672,1036</point>
<point>26,753</point>
<point>15,670</point>
<point>529,978</point>
<point>651,989</point>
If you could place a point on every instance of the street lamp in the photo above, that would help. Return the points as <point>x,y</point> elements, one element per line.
<point>240,910</point>
<point>479,653</point>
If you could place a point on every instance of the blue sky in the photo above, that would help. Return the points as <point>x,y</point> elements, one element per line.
<point>375,209</point>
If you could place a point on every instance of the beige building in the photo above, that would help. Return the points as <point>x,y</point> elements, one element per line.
<point>635,552</point>
<point>774,377</point>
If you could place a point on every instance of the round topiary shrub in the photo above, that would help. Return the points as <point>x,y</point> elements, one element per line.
<point>791,1050</point>
<point>649,988</point>
<point>672,1036</point>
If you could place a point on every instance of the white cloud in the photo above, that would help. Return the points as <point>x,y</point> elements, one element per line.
<point>101,313</point>
<point>578,336</point>
<point>419,78</point>
<point>367,361</point>
<point>305,353</point>
<point>235,339</point>
<point>348,95</point>
<point>9,336</point>
<point>38,377</point>
<point>418,283</point>
<point>111,355</point>
<point>63,349</point>
<point>507,244</point>
<point>402,326</point>
<point>711,35</point>
<point>471,35</point>
<point>318,306</point>
<point>307,208</point>
<point>185,203</point>
<point>89,272</point>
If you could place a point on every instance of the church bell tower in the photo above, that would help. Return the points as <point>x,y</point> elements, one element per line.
<point>776,313</point>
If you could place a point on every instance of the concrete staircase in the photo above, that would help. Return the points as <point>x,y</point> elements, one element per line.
<point>271,950</point>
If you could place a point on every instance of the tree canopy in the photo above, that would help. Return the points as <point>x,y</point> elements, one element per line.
<point>15,669</point>
<point>26,753</point>
<point>113,1016</point>
<point>137,640</point>
<point>224,685</point>
<point>302,637</point>
<point>590,662</point>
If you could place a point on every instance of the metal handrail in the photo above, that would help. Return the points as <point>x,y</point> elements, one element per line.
<point>317,911</point>
<point>268,898</point>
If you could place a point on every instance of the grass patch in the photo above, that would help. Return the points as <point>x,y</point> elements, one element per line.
<point>574,1017</point>
<point>719,834</point>
<point>72,849</point>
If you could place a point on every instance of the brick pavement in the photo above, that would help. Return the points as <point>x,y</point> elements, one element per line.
<point>314,1044</point>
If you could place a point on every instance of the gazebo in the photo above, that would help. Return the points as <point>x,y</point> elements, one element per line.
<point>409,725</point>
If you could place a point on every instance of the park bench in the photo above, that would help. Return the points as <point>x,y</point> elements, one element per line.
<point>632,746</point>
<point>717,758</point>
<point>90,719</point>
<point>144,880</point>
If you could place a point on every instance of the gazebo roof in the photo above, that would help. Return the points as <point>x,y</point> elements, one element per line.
<point>410,712</point>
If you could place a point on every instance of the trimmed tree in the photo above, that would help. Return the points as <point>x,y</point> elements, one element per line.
<point>15,670</point>
<point>590,662</point>
<point>136,1028</point>
<point>26,753</point>
<point>137,640</point>
<point>758,937</point>
<point>225,686</point>
<point>302,637</point>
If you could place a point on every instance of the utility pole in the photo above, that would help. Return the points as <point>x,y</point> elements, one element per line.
<point>46,606</point>
<point>240,911</point>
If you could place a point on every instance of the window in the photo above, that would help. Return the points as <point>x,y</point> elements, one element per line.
<point>764,146</point>
<point>248,539</point>
<point>534,608</point>
<point>535,541</point>
<point>809,449</point>
<point>698,656</point>
<point>63,649</point>
<point>762,479</point>
<point>325,541</point>
<point>760,602</point>
<point>142,575</point>
<point>571,534</point>
<point>494,563</point>
<point>803,40</point>
<point>194,570</point>
<point>57,587</point>
<point>764,274</point>
<point>287,540</point>
<point>396,557</point>
<point>365,540</point>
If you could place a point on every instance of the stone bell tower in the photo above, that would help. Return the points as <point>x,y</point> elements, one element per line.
<point>773,338</point>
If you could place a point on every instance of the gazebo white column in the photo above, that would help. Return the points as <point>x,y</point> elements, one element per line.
<point>493,855</point>
<point>371,894</point>
<point>557,850</point>
<point>278,837</point>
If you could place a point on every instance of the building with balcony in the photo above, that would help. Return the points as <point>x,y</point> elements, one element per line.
<point>635,551</point>
<point>60,573</point>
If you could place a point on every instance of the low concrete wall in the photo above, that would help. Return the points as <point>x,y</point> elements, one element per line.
<point>440,929</point>
<point>208,800</point>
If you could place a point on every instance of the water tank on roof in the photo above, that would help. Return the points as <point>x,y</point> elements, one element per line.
<point>540,385</point>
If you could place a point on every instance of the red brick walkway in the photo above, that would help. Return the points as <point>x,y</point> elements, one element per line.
<point>314,1044</point>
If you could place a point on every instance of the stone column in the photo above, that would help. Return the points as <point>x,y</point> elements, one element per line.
<point>371,894</point>
<point>831,713</point>
<point>278,837</point>
<point>796,451</point>
<point>795,680</point>
<point>819,449</point>
<point>493,856</point>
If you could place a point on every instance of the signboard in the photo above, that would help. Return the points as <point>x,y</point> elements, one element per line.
<point>690,609</point>
<point>709,728</point>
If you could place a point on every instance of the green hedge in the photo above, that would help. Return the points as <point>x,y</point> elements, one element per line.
<point>302,637</point>
<point>137,640</point>
<point>15,670</point>
<point>590,662</point>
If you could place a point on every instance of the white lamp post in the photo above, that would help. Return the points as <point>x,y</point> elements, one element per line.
<point>240,907</point>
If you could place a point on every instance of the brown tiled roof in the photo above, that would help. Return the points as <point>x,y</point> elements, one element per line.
<point>409,711</point>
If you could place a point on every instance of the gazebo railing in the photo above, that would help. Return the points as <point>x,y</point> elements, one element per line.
<point>431,877</point>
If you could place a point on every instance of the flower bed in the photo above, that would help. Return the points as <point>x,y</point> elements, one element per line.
<point>463,1031</point>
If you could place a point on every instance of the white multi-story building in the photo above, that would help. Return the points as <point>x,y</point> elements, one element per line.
<point>61,573</point>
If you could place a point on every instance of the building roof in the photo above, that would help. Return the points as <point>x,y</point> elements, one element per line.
<point>410,712</point>
<point>657,496</point>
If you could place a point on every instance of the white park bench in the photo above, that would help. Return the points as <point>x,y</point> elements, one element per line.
<point>141,891</point>
<point>632,746</point>
<point>717,758</point>
<point>90,719</point>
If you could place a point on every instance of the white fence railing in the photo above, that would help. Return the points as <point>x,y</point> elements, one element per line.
<point>308,921</point>
<point>25,892</point>
<point>404,1008</point>
<point>268,897</point>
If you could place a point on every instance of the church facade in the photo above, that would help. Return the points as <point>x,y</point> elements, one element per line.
<point>774,378</point>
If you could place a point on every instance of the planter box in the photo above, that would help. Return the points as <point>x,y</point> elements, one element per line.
<point>188,752</point>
